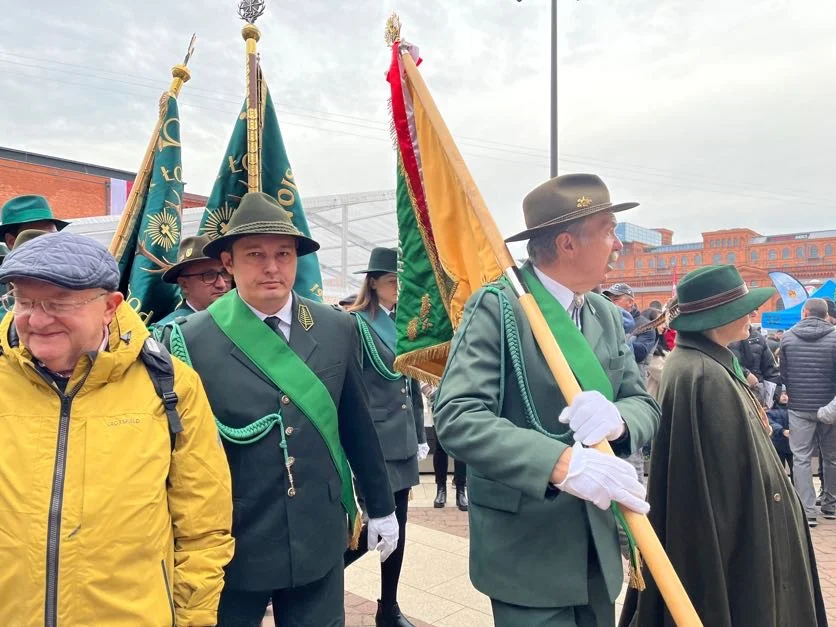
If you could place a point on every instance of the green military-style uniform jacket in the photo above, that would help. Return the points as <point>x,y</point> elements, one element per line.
<point>284,541</point>
<point>722,505</point>
<point>397,409</point>
<point>529,542</point>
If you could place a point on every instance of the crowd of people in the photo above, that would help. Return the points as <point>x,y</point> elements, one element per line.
<point>792,375</point>
<point>245,450</point>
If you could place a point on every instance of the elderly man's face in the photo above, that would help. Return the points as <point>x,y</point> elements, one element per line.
<point>74,326</point>
<point>595,254</point>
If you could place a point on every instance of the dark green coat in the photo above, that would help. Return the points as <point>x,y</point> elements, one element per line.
<point>284,542</point>
<point>530,543</point>
<point>397,409</point>
<point>722,505</point>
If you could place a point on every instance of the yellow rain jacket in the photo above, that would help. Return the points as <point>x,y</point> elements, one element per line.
<point>101,523</point>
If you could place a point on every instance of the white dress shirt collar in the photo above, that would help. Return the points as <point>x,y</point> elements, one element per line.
<point>285,316</point>
<point>563,294</point>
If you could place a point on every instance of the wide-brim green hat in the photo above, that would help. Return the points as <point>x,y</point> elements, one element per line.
<point>190,251</point>
<point>564,199</point>
<point>24,209</point>
<point>259,214</point>
<point>714,296</point>
<point>383,260</point>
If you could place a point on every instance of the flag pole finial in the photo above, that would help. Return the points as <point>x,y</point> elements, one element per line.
<point>180,73</point>
<point>393,29</point>
<point>250,11</point>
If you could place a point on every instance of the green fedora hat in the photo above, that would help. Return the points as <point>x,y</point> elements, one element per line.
<point>190,250</point>
<point>564,199</point>
<point>714,296</point>
<point>382,260</point>
<point>259,214</point>
<point>23,209</point>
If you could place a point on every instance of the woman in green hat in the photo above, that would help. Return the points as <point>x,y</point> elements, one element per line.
<point>721,503</point>
<point>397,408</point>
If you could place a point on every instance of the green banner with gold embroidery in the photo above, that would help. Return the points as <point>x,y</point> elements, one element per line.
<point>151,246</point>
<point>276,179</point>
<point>424,330</point>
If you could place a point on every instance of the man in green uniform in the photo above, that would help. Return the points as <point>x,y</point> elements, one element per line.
<point>27,212</point>
<point>543,542</point>
<point>284,379</point>
<point>202,280</point>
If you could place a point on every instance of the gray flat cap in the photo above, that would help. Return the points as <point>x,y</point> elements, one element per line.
<point>69,260</point>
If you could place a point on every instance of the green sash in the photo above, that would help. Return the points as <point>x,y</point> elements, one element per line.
<point>383,326</point>
<point>582,360</point>
<point>277,361</point>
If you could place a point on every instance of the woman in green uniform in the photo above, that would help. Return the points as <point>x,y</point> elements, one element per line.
<point>397,409</point>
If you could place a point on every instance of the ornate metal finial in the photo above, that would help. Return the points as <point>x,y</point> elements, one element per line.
<point>251,10</point>
<point>190,51</point>
<point>393,29</point>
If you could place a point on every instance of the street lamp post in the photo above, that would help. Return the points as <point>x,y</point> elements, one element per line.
<point>553,131</point>
<point>553,153</point>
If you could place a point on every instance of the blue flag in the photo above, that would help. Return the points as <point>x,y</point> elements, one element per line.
<point>791,290</point>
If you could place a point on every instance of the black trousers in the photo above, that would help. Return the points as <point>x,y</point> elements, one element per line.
<point>390,570</point>
<point>786,458</point>
<point>318,603</point>
<point>440,463</point>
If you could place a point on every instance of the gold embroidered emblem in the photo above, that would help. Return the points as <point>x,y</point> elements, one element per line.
<point>584,202</point>
<point>305,317</point>
<point>216,223</point>
<point>422,322</point>
<point>163,230</point>
<point>188,253</point>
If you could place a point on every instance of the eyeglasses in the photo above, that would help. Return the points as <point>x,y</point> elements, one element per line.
<point>210,276</point>
<point>55,308</point>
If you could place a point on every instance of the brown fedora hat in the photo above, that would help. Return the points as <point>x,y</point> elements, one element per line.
<point>191,250</point>
<point>564,199</point>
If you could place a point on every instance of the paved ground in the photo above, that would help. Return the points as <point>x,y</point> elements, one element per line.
<point>435,588</point>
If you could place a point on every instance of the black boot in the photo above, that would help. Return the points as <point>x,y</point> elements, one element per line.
<point>440,497</point>
<point>390,616</point>
<point>461,498</point>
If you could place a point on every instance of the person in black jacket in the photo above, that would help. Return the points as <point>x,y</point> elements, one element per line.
<point>757,360</point>
<point>808,368</point>
<point>779,420</point>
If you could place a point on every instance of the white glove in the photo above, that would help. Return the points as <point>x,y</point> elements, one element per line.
<point>423,451</point>
<point>601,478</point>
<point>593,418</point>
<point>386,529</point>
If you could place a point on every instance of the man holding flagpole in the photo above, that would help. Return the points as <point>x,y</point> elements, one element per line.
<point>543,539</point>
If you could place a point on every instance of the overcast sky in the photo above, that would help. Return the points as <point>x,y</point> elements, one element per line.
<point>711,114</point>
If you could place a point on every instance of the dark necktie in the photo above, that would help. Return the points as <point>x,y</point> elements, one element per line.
<point>577,305</point>
<point>273,323</point>
<point>392,314</point>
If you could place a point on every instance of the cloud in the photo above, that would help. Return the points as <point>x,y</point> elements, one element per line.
<point>712,114</point>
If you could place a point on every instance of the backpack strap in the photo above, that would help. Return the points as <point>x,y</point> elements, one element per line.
<point>160,368</point>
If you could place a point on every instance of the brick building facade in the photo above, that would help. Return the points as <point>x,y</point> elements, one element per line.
<point>73,189</point>
<point>650,261</point>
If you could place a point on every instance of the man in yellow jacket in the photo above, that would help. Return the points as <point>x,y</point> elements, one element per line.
<point>115,506</point>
